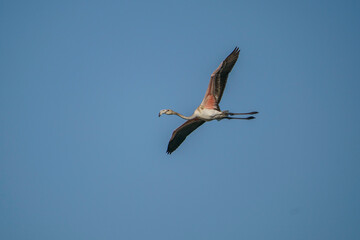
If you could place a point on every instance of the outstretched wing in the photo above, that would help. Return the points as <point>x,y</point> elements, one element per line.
<point>182,132</point>
<point>218,81</point>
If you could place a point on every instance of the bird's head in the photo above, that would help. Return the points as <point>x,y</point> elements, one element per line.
<point>166,111</point>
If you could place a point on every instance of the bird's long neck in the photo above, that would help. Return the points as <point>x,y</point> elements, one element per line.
<point>184,117</point>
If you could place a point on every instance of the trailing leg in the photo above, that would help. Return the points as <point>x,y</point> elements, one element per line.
<point>249,113</point>
<point>248,118</point>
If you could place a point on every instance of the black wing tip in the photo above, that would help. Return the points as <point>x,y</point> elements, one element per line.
<point>170,150</point>
<point>233,55</point>
<point>236,50</point>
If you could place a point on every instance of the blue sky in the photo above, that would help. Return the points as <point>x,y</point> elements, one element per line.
<point>83,151</point>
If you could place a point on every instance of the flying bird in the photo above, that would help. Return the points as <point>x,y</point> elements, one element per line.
<point>209,108</point>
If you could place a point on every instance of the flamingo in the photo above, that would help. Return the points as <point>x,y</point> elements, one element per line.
<point>209,108</point>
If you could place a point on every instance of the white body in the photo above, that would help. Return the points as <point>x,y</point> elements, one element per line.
<point>208,114</point>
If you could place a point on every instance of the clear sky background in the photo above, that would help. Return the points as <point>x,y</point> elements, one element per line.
<point>83,150</point>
